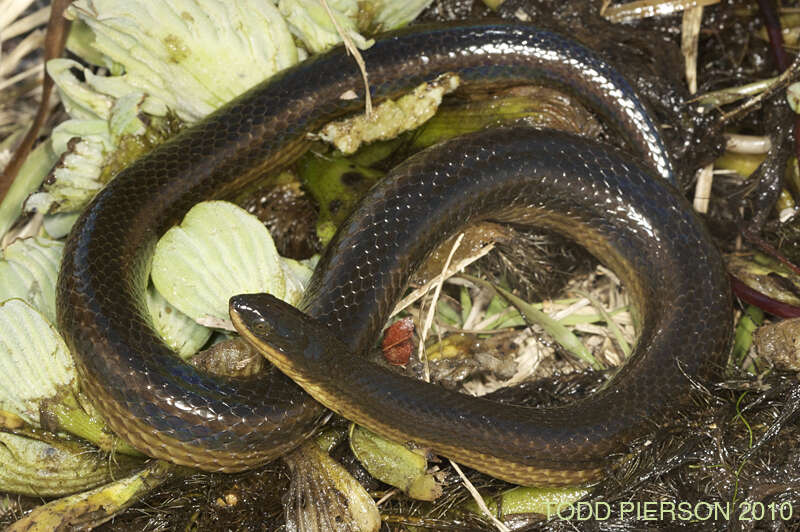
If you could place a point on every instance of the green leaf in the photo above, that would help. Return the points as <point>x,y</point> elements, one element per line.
<point>191,57</point>
<point>51,468</point>
<point>182,334</point>
<point>394,464</point>
<point>35,364</point>
<point>29,271</point>
<point>219,250</point>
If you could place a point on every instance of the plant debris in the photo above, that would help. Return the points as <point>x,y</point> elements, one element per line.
<point>729,461</point>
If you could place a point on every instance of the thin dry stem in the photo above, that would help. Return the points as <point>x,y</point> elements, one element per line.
<point>432,309</point>
<point>786,77</point>
<point>25,24</point>
<point>353,50</point>
<point>412,298</point>
<point>10,10</point>
<point>386,496</point>
<point>31,43</point>
<point>690,36</point>
<point>702,191</point>
<point>423,334</point>
<point>54,42</point>
<point>33,71</point>
<point>479,500</point>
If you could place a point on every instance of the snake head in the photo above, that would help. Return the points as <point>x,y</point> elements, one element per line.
<point>282,333</point>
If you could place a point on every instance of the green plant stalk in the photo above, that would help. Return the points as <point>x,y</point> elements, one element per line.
<point>523,500</point>
<point>30,177</point>
<point>446,313</point>
<point>515,319</point>
<point>455,120</point>
<point>329,438</point>
<point>732,94</point>
<point>743,164</point>
<point>560,334</point>
<point>89,509</point>
<point>394,464</point>
<point>751,319</point>
<point>612,325</point>
<point>73,419</point>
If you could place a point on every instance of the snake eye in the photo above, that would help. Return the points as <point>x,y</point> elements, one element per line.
<point>261,328</point>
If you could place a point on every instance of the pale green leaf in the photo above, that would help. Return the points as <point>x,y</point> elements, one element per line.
<point>182,334</point>
<point>29,270</point>
<point>34,361</point>
<point>218,251</point>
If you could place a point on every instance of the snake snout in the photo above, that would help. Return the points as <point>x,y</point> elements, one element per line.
<point>257,313</point>
<point>268,319</point>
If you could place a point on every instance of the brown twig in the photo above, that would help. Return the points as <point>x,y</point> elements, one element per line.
<point>56,38</point>
<point>788,76</point>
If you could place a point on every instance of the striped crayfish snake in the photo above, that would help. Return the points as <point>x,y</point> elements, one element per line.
<point>621,208</point>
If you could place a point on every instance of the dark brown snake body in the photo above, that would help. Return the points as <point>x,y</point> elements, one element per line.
<point>599,197</point>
